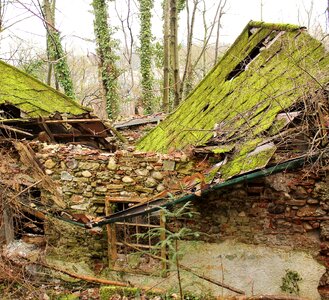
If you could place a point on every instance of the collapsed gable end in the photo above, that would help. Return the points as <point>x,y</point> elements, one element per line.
<point>270,70</point>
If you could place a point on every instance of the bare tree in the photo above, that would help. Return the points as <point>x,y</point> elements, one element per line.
<point>126,28</point>
<point>186,84</point>
<point>219,25</point>
<point>328,14</point>
<point>2,13</point>
<point>192,65</point>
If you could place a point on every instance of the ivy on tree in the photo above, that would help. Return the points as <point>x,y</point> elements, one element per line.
<point>107,57</point>
<point>146,54</point>
<point>55,52</point>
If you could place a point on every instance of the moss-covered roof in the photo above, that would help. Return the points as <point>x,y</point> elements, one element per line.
<point>268,69</point>
<point>32,96</point>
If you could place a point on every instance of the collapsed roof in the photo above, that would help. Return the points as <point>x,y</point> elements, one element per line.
<point>267,82</point>
<point>31,109</point>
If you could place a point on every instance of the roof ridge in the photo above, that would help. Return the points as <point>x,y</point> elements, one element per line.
<point>275,26</point>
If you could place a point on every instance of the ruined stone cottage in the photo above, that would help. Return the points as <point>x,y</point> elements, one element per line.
<point>248,147</point>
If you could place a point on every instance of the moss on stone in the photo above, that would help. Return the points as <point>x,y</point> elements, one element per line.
<point>68,297</point>
<point>32,96</point>
<point>106,292</point>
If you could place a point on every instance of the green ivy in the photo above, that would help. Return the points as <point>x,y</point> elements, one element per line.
<point>146,54</point>
<point>33,67</point>
<point>181,5</point>
<point>105,49</point>
<point>57,54</point>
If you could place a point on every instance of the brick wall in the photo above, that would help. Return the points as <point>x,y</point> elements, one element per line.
<point>285,209</point>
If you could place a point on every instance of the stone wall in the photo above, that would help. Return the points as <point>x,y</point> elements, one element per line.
<point>285,209</point>
<point>86,176</point>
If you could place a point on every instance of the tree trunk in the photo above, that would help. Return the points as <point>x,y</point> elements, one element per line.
<point>174,55</point>
<point>328,13</point>
<point>55,52</point>
<point>186,84</point>
<point>2,12</point>
<point>166,54</point>
<point>146,55</point>
<point>106,57</point>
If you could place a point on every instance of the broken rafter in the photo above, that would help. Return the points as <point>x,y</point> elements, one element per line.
<point>95,279</point>
<point>107,126</point>
<point>19,131</point>
<point>29,159</point>
<point>50,121</point>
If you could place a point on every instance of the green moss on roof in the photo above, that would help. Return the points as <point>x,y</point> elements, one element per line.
<point>32,96</point>
<point>244,107</point>
<point>274,26</point>
<point>222,149</point>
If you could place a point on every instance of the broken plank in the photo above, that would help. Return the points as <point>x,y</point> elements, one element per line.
<point>111,237</point>
<point>19,131</point>
<point>137,224</point>
<point>29,159</point>
<point>125,199</point>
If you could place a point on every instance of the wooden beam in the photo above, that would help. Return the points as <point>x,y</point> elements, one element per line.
<point>125,199</point>
<point>5,127</point>
<point>111,237</point>
<point>29,159</point>
<point>137,224</point>
<point>136,245</point>
<point>163,248</point>
<point>46,128</point>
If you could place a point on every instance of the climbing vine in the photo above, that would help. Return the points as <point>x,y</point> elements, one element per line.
<point>55,52</point>
<point>62,71</point>
<point>146,54</point>
<point>107,57</point>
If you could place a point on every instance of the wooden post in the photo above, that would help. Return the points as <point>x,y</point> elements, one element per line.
<point>163,248</point>
<point>111,235</point>
<point>7,226</point>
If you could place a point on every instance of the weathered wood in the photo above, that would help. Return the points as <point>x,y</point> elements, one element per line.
<point>111,236</point>
<point>276,297</point>
<point>46,128</point>
<point>137,224</point>
<point>116,132</point>
<point>26,189</point>
<point>98,280</point>
<point>8,225</point>
<point>125,199</point>
<point>29,159</point>
<point>137,245</point>
<point>162,238</point>
<point>19,131</point>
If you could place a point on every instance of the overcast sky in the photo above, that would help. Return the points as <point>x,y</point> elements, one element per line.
<point>74,20</point>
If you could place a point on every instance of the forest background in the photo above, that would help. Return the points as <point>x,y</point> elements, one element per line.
<point>127,57</point>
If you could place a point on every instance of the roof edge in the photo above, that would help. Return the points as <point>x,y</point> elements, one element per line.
<point>275,26</point>
<point>67,98</point>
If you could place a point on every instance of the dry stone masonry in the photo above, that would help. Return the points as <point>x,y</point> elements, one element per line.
<point>86,176</point>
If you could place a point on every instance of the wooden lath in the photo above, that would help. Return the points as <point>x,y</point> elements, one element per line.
<point>29,159</point>
<point>130,230</point>
<point>82,129</point>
